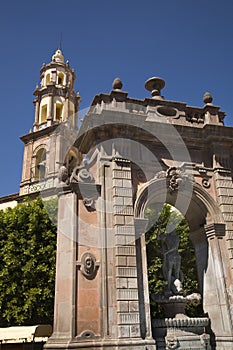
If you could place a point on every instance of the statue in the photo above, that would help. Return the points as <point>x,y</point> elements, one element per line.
<point>171,262</point>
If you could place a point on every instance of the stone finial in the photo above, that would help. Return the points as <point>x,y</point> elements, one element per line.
<point>117,84</point>
<point>207,98</point>
<point>155,85</point>
<point>58,57</point>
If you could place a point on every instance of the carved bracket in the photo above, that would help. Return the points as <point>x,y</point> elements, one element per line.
<point>83,183</point>
<point>88,265</point>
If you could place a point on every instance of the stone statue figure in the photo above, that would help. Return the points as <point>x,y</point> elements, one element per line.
<point>171,262</point>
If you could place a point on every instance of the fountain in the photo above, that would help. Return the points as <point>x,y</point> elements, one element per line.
<point>177,330</point>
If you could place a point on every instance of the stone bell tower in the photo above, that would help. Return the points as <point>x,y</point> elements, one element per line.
<point>55,102</point>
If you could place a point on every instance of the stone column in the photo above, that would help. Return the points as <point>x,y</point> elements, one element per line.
<point>66,108</point>
<point>50,116</point>
<point>215,297</point>
<point>37,111</point>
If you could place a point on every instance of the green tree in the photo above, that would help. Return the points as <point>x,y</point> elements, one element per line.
<point>27,263</point>
<point>169,219</point>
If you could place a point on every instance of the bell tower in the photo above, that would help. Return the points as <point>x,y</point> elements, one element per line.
<point>55,101</point>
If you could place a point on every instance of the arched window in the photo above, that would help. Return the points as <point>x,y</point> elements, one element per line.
<point>47,80</point>
<point>43,114</point>
<point>60,79</point>
<point>58,112</point>
<point>40,165</point>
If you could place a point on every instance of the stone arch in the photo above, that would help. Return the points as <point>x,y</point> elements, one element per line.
<point>207,228</point>
<point>200,202</point>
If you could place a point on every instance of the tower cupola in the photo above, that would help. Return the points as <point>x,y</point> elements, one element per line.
<point>55,98</point>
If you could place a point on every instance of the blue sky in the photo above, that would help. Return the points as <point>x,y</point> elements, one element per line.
<point>187,42</point>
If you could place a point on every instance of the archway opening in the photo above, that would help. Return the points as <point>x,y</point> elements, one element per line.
<point>171,260</point>
<point>40,166</point>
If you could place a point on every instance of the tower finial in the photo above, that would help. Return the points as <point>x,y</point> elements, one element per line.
<point>60,42</point>
<point>58,57</point>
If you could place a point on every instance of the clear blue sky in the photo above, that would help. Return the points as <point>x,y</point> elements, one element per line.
<point>187,42</point>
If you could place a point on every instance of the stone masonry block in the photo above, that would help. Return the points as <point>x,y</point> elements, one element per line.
<point>118,200</point>
<point>122,306</point>
<point>121,261</point>
<point>124,192</point>
<point>126,271</point>
<point>127,294</point>
<point>125,230</point>
<point>127,183</point>
<point>132,283</point>
<point>128,201</point>
<point>122,283</point>
<point>133,306</point>
<point>117,183</point>
<point>129,220</point>
<point>128,318</point>
<point>119,219</point>
<point>124,331</point>
<point>135,331</point>
<point>120,240</point>
<point>131,261</point>
<point>126,251</point>
<point>122,174</point>
<point>123,209</point>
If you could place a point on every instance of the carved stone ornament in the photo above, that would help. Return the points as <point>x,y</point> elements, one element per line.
<point>84,175</point>
<point>205,339</point>
<point>172,342</point>
<point>82,181</point>
<point>88,265</point>
<point>176,178</point>
<point>205,183</point>
<point>63,174</point>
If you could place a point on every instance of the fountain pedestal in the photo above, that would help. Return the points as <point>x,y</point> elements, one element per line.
<point>177,330</point>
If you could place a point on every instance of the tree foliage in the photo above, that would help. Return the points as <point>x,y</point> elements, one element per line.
<point>27,263</point>
<point>168,220</point>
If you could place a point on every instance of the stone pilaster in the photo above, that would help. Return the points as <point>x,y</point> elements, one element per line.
<point>65,289</point>
<point>128,318</point>
<point>224,191</point>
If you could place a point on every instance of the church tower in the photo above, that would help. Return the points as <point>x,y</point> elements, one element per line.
<point>55,101</point>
